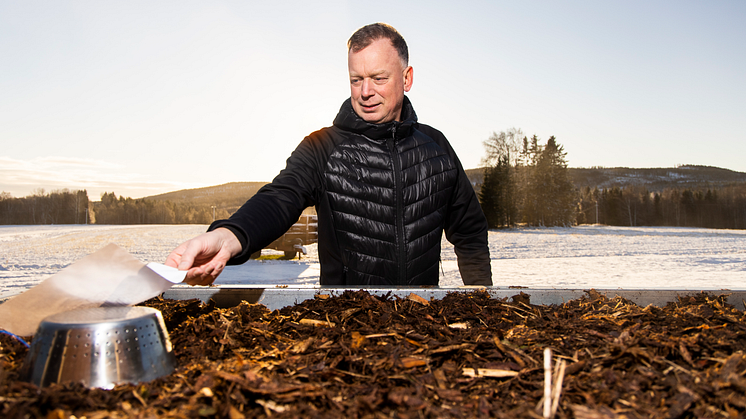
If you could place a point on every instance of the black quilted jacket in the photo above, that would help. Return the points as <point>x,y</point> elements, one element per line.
<point>384,194</point>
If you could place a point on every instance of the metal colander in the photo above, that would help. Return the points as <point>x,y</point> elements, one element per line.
<point>100,347</point>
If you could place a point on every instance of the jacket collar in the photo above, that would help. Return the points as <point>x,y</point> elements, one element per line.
<point>348,120</point>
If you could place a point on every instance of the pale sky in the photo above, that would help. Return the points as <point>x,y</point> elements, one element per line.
<point>144,97</point>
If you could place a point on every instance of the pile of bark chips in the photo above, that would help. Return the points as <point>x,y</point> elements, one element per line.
<point>468,355</point>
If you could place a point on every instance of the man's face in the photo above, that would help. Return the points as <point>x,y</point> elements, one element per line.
<point>378,81</point>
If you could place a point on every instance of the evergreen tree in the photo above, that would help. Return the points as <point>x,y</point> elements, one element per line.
<point>560,197</point>
<point>498,193</point>
<point>489,196</point>
<point>549,195</point>
<point>508,194</point>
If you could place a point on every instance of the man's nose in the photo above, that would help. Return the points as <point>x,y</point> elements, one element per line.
<point>366,89</point>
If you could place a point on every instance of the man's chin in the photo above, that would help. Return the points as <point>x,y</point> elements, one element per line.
<point>374,117</point>
<point>373,120</point>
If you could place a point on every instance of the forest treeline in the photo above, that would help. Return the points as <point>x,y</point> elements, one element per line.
<point>113,210</point>
<point>724,207</point>
<point>57,207</point>
<point>74,207</point>
<point>525,182</point>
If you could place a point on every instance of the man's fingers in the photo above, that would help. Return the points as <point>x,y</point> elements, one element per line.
<point>190,252</point>
<point>174,258</point>
<point>194,276</point>
<point>199,279</point>
<point>204,275</point>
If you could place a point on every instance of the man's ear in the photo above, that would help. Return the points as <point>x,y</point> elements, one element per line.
<point>408,78</point>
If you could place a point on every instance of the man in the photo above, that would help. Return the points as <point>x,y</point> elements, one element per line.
<point>385,187</point>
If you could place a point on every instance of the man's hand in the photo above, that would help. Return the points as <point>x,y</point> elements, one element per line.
<point>205,256</point>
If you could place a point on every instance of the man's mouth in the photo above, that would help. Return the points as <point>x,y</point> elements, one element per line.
<point>369,108</point>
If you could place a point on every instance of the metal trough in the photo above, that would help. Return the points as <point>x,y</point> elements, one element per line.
<point>277,297</point>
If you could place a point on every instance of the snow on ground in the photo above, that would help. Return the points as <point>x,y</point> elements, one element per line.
<point>30,254</point>
<point>578,257</point>
<point>615,257</point>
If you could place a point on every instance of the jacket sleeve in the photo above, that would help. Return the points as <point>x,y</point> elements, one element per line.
<point>277,206</point>
<point>466,226</point>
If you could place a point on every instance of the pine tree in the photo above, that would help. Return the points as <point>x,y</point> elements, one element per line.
<point>529,189</point>
<point>489,196</point>
<point>560,197</point>
<point>548,191</point>
<point>508,195</point>
<point>498,193</point>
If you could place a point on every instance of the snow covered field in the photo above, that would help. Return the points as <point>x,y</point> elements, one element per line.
<point>578,257</point>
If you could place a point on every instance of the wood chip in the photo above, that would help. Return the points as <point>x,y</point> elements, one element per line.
<point>488,372</point>
<point>317,323</point>
<point>411,362</point>
<point>417,299</point>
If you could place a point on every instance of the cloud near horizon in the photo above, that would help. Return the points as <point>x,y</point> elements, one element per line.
<point>26,177</point>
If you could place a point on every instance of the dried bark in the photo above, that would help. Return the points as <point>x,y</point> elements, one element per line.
<point>467,355</point>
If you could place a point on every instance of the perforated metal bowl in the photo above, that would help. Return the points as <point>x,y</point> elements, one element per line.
<point>100,347</point>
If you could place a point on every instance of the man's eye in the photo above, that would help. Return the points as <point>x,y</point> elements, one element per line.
<point>381,79</point>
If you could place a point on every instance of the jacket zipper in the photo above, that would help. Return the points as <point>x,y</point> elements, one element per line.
<point>399,214</point>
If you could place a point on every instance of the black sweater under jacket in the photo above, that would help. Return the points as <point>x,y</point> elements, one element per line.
<point>384,194</point>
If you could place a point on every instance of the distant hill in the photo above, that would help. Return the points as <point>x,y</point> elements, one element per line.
<point>654,179</point>
<point>657,179</point>
<point>228,196</point>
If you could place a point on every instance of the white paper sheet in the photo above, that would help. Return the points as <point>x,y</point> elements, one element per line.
<point>107,277</point>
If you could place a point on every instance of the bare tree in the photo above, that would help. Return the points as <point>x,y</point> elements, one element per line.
<point>505,144</point>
